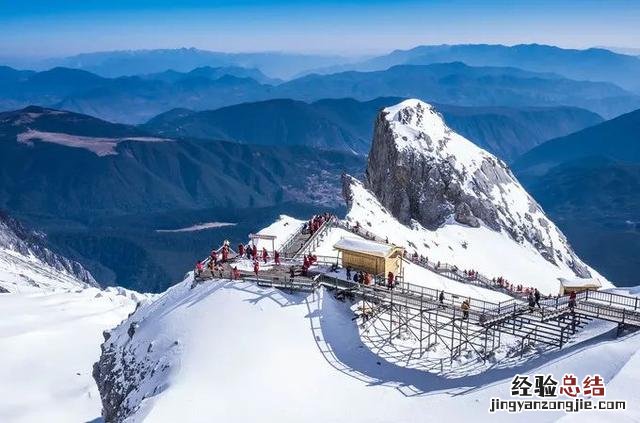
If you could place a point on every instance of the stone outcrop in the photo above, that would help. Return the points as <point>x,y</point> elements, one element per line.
<point>119,374</point>
<point>421,170</point>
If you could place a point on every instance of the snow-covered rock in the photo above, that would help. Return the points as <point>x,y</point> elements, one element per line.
<point>25,256</point>
<point>427,177</point>
<point>492,253</point>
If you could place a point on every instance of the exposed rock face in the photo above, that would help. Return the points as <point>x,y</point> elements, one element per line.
<point>134,364</point>
<point>421,170</point>
<point>14,236</point>
<point>118,374</point>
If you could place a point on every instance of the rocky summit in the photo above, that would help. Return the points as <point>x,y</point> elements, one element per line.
<point>423,171</point>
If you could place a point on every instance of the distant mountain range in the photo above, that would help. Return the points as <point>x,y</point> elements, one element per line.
<point>619,66</point>
<point>589,183</point>
<point>346,124</point>
<point>250,135</point>
<point>136,99</point>
<point>462,85</point>
<point>594,64</point>
<point>137,62</point>
<point>211,73</point>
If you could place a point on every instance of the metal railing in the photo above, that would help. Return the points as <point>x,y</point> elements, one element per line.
<point>315,238</point>
<point>288,243</point>
<point>438,267</point>
<point>611,299</point>
<point>287,282</point>
<point>598,304</point>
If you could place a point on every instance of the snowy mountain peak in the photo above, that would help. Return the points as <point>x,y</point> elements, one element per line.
<point>422,171</point>
<point>419,127</point>
<point>416,113</point>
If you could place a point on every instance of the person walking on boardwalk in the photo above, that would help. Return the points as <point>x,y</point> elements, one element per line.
<point>292,273</point>
<point>254,251</point>
<point>265,255</point>
<point>466,305</point>
<point>276,258</point>
<point>441,299</point>
<point>241,250</point>
<point>390,280</point>
<point>572,301</point>
<point>214,256</point>
<point>256,267</point>
<point>536,295</point>
<point>532,302</point>
<point>348,273</point>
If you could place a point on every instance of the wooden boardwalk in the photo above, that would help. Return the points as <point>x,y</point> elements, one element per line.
<point>430,314</point>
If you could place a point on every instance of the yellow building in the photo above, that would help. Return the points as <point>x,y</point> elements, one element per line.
<point>369,256</point>
<point>568,286</point>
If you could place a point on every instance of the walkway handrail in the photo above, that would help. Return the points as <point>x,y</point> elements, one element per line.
<point>412,297</point>
<point>599,304</point>
<point>482,280</point>
<point>477,280</point>
<point>317,234</point>
<point>323,260</point>
<point>611,298</point>
<point>208,259</point>
<point>285,245</point>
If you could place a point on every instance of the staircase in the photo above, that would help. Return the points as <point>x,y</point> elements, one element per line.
<point>295,243</point>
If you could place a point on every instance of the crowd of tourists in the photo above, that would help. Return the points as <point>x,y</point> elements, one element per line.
<point>220,258</point>
<point>316,222</point>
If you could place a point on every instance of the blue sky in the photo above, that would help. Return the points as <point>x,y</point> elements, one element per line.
<point>51,28</point>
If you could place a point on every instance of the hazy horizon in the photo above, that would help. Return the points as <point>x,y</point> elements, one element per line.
<point>351,28</point>
<point>347,55</point>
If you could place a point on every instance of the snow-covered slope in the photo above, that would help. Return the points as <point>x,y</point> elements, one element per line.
<point>282,228</point>
<point>413,273</point>
<point>489,252</point>
<point>433,191</point>
<point>25,262</point>
<point>49,341</point>
<point>50,331</point>
<point>235,352</point>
